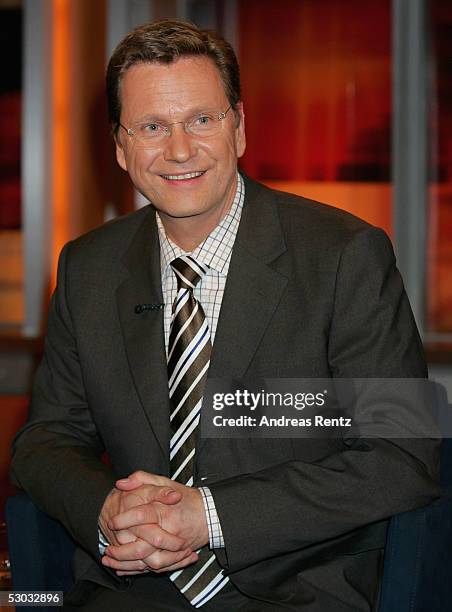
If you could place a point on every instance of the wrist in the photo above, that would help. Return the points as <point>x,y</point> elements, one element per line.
<point>216,539</point>
<point>199,520</point>
<point>107,511</point>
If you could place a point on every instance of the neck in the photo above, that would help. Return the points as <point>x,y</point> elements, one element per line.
<point>190,232</point>
<point>186,233</point>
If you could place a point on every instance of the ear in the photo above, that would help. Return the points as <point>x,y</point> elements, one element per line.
<point>120,155</point>
<point>240,139</point>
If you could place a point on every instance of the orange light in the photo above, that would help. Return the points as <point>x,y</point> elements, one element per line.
<point>369,201</point>
<point>60,126</point>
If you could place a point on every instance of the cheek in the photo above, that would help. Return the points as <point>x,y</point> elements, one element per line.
<point>121,157</point>
<point>140,161</point>
<point>240,145</point>
<point>235,143</point>
<point>224,152</point>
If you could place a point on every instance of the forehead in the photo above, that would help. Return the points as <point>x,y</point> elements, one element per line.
<point>188,84</point>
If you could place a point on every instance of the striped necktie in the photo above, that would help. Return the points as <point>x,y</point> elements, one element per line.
<point>189,349</point>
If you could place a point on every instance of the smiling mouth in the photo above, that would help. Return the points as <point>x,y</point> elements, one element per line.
<point>182,177</point>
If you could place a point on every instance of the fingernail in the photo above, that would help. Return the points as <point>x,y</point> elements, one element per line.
<point>123,480</point>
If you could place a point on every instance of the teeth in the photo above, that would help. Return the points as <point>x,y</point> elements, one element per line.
<point>181,177</point>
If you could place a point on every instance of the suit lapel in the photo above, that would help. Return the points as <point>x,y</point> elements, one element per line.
<point>143,332</point>
<point>253,287</point>
<point>252,294</point>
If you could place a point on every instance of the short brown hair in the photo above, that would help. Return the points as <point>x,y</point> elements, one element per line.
<point>164,42</point>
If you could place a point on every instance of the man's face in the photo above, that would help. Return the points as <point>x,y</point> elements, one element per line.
<point>177,92</point>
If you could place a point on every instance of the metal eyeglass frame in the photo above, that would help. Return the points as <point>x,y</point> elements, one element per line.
<point>130,132</point>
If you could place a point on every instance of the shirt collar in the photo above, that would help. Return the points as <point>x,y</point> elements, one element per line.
<point>216,249</point>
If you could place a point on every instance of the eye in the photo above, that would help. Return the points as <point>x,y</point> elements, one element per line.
<point>202,121</point>
<point>153,129</point>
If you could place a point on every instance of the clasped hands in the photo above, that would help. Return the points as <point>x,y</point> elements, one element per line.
<point>153,524</point>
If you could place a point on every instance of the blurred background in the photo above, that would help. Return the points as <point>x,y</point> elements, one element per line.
<point>356,100</point>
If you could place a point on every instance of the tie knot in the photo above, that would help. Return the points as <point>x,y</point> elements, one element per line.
<point>188,271</point>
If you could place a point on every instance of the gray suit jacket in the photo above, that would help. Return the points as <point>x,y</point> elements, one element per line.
<point>311,292</point>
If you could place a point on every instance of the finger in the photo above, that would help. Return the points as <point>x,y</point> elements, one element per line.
<point>136,566</point>
<point>154,539</point>
<point>144,478</point>
<point>138,573</point>
<point>163,560</point>
<point>134,551</point>
<point>125,536</point>
<point>159,538</point>
<point>163,494</point>
<point>137,515</point>
<point>166,495</point>
<point>189,560</point>
<point>129,484</point>
<point>141,477</point>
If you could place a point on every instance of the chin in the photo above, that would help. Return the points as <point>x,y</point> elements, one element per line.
<point>181,214</point>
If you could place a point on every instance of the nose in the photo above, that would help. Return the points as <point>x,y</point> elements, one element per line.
<point>179,146</point>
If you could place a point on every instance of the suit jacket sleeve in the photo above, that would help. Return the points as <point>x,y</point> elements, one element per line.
<point>296,505</point>
<point>57,456</point>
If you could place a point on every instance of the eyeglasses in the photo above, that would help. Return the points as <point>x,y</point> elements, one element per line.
<point>153,132</point>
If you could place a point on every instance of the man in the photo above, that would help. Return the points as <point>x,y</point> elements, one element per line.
<point>220,275</point>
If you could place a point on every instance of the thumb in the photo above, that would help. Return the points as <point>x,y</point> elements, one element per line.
<point>128,484</point>
<point>135,480</point>
<point>168,496</point>
<point>164,495</point>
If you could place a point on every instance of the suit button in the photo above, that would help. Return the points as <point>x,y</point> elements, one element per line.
<point>208,478</point>
<point>127,582</point>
